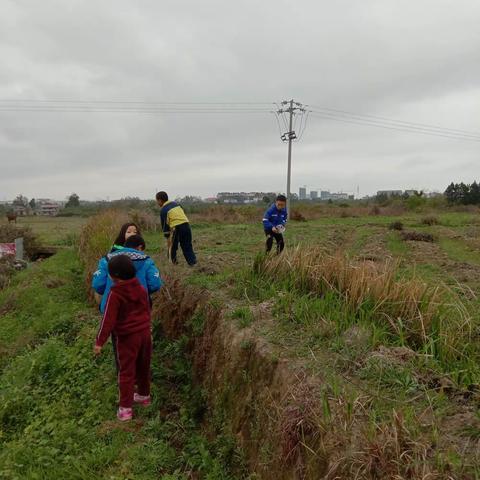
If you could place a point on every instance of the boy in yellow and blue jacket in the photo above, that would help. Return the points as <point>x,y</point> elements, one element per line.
<point>176,228</point>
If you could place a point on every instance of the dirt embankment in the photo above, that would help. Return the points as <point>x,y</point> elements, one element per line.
<point>251,394</point>
<point>290,424</point>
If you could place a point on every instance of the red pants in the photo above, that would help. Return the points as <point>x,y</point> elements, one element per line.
<point>134,353</point>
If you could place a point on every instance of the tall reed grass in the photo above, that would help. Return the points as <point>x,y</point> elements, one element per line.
<point>97,237</point>
<point>426,317</point>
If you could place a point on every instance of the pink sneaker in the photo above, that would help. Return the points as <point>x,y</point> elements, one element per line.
<point>143,400</point>
<point>124,414</point>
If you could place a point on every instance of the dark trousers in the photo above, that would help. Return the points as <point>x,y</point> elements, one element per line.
<point>182,235</point>
<point>133,356</point>
<point>278,238</point>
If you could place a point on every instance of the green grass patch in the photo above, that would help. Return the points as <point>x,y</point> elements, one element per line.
<point>243,316</point>
<point>58,402</point>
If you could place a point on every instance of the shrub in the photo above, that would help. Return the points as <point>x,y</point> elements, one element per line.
<point>430,220</point>
<point>396,226</point>
<point>297,216</point>
<point>417,237</point>
<point>375,211</point>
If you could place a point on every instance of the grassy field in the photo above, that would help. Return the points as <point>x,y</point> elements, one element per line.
<point>373,358</point>
<point>424,366</point>
<point>53,231</point>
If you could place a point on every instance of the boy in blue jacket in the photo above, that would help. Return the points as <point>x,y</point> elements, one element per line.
<point>146,271</point>
<point>274,222</point>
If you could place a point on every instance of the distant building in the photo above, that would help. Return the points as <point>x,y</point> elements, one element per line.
<point>313,194</point>
<point>324,195</point>
<point>302,193</point>
<point>47,207</point>
<point>389,193</point>
<point>244,197</point>
<point>20,210</point>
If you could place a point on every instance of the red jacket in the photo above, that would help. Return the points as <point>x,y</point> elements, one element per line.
<point>127,311</point>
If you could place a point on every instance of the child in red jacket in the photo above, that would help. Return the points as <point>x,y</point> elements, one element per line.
<point>127,315</point>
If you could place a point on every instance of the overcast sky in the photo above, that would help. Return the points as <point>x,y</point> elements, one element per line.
<point>414,60</point>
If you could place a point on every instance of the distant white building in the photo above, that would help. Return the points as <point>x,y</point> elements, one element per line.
<point>243,197</point>
<point>47,207</point>
<point>302,193</point>
<point>313,194</point>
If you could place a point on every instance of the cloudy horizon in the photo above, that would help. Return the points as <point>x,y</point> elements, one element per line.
<point>409,61</point>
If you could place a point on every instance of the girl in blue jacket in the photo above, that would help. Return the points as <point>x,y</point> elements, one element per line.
<point>274,222</point>
<point>147,272</point>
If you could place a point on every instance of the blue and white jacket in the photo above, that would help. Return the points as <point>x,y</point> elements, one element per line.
<point>147,273</point>
<point>274,217</point>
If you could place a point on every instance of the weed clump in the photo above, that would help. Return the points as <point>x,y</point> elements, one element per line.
<point>375,211</point>
<point>297,216</point>
<point>417,237</point>
<point>421,316</point>
<point>7,268</point>
<point>430,220</point>
<point>396,226</point>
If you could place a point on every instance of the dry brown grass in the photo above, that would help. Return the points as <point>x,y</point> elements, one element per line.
<point>430,220</point>
<point>409,307</point>
<point>229,214</point>
<point>300,212</point>
<point>97,237</point>
<point>359,283</point>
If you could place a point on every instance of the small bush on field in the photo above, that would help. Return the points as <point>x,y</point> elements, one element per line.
<point>417,237</point>
<point>297,216</point>
<point>8,234</point>
<point>375,211</point>
<point>396,226</point>
<point>430,220</point>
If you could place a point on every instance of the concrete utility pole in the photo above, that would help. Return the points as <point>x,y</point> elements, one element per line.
<point>292,108</point>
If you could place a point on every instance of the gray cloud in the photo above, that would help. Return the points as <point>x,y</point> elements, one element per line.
<point>416,61</point>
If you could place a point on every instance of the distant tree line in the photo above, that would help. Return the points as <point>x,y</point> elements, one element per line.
<point>463,194</point>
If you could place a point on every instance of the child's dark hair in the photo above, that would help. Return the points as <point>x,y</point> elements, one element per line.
<point>281,198</point>
<point>122,267</point>
<point>120,240</point>
<point>135,241</point>
<point>163,196</point>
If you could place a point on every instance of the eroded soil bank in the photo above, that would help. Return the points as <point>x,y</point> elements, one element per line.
<point>292,421</point>
<point>263,401</point>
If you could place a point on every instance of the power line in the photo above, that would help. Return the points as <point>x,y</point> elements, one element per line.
<point>394,122</point>
<point>387,126</point>
<point>140,102</point>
